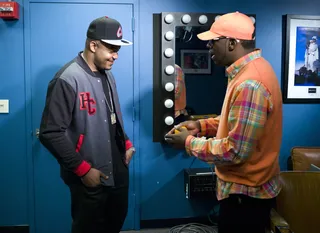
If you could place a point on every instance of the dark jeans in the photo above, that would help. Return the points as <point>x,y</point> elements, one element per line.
<point>240,213</point>
<point>98,210</point>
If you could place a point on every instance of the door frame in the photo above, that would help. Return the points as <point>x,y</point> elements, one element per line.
<point>30,134</point>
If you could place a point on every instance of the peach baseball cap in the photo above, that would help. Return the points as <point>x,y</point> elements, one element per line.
<point>232,25</point>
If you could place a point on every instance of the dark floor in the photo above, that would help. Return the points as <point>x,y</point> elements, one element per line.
<point>175,229</point>
<point>149,231</point>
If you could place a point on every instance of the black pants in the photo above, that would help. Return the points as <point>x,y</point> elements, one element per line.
<point>98,210</point>
<point>240,213</point>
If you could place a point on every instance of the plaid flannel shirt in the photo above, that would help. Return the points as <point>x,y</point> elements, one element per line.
<point>245,124</point>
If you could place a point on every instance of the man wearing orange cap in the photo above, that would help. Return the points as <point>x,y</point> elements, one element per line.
<point>245,139</point>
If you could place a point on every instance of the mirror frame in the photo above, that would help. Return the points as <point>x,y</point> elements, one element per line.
<point>160,62</point>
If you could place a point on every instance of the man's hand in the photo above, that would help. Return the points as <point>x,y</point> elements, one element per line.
<point>178,140</point>
<point>92,178</point>
<point>129,154</point>
<point>193,127</point>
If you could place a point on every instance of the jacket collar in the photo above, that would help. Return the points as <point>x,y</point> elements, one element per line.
<point>79,59</point>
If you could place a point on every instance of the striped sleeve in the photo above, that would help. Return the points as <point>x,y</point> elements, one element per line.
<point>209,127</point>
<point>247,117</point>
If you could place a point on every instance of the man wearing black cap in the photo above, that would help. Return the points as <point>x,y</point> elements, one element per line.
<point>82,127</point>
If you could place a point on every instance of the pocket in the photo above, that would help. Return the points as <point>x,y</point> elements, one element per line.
<point>79,143</point>
<point>93,190</point>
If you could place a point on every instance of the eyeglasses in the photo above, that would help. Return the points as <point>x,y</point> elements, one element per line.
<point>212,41</point>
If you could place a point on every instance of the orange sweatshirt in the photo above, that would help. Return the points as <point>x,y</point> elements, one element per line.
<point>247,135</point>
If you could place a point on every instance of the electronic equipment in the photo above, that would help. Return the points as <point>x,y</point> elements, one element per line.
<point>200,183</point>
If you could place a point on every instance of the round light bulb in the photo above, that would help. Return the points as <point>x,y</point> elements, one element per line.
<point>168,52</point>
<point>169,87</point>
<point>253,20</point>
<point>169,120</point>
<point>217,17</point>
<point>168,103</point>
<point>169,70</point>
<point>186,18</point>
<point>203,19</point>
<point>169,35</point>
<point>169,18</point>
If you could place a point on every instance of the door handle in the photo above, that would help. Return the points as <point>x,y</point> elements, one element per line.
<point>37,133</point>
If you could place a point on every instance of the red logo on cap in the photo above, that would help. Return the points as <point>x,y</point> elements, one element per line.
<point>119,32</point>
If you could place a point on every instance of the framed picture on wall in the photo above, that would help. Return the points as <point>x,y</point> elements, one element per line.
<point>301,81</point>
<point>195,61</point>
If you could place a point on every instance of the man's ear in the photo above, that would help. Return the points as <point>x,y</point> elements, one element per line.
<point>93,46</point>
<point>232,44</point>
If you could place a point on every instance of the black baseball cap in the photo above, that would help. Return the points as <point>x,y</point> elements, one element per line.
<point>107,30</point>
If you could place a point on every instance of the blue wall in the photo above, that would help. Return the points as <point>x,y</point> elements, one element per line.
<point>13,172</point>
<point>161,168</point>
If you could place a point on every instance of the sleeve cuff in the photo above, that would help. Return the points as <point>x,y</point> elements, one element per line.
<point>128,144</point>
<point>188,144</point>
<point>82,169</point>
<point>203,128</point>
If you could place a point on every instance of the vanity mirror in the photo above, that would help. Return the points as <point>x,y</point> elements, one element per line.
<point>186,83</point>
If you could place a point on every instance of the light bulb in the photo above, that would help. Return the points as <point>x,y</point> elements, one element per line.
<point>169,87</point>
<point>169,18</point>
<point>168,103</point>
<point>169,70</point>
<point>168,52</point>
<point>169,120</point>
<point>169,35</point>
<point>203,19</point>
<point>186,18</point>
<point>253,20</point>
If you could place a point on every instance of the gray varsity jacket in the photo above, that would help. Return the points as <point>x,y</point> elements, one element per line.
<point>74,125</point>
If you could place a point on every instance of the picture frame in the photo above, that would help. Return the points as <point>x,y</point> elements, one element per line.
<point>301,59</point>
<point>195,61</point>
